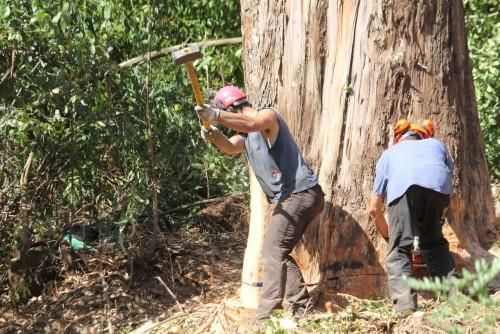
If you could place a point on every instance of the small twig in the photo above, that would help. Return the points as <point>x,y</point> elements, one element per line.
<point>468,17</point>
<point>430,329</point>
<point>68,326</point>
<point>82,208</point>
<point>25,173</point>
<point>223,319</point>
<point>206,177</point>
<point>13,60</point>
<point>4,76</point>
<point>171,293</point>
<point>4,191</point>
<point>349,296</point>
<point>208,323</point>
<point>10,71</point>
<point>35,67</point>
<point>172,268</point>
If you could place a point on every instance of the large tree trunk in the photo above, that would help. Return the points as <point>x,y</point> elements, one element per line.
<point>341,72</point>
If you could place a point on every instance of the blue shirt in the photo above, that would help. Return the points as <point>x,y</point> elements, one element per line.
<point>426,163</point>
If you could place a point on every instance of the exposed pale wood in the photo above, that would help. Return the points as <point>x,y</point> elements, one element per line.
<point>341,72</point>
<point>252,264</point>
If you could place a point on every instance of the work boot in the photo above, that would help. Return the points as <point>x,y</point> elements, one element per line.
<point>300,311</point>
<point>403,314</point>
<point>257,326</point>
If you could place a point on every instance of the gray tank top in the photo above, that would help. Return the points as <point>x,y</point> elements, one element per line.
<point>281,169</point>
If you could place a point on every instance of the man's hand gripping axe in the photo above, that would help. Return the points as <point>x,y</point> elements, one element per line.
<point>186,56</point>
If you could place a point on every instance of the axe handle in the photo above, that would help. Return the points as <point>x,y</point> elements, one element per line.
<point>196,89</point>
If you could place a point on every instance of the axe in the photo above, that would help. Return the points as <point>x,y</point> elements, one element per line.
<point>186,56</point>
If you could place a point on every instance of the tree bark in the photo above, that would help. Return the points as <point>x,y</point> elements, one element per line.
<point>341,72</point>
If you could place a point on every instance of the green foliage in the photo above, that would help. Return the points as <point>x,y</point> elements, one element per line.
<point>473,282</point>
<point>482,19</point>
<point>273,326</point>
<point>85,124</point>
<point>359,316</point>
<point>477,309</point>
<point>464,315</point>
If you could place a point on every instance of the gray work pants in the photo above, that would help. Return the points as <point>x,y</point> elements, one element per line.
<point>282,276</point>
<point>418,211</point>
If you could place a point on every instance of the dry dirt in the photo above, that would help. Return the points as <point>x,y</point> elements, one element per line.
<point>102,291</point>
<point>185,282</point>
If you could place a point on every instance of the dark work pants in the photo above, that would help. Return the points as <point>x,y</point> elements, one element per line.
<point>282,276</point>
<point>418,211</point>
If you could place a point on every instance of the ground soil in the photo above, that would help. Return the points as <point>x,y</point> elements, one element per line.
<point>115,290</point>
<point>184,281</point>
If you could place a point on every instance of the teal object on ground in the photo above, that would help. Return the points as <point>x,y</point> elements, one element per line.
<point>77,244</point>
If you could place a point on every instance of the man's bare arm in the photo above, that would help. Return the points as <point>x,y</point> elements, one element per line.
<point>376,211</point>
<point>229,146</point>
<point>265,120</point>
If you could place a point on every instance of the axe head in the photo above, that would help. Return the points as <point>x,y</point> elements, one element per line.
<point>186,54</point>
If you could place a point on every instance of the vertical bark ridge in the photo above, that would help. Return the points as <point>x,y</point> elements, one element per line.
<point>313,81</point>
<point>344,106</point>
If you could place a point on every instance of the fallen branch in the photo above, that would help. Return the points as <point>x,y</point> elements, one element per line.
<point>223,319</point>
<point>153,55</point>
<point>171,293</point>
<point>205,201</point>
<point>167,52</point>
<point>208,323</point>
<point>26,226</point>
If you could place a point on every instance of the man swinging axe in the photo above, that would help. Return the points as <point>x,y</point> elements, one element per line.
<point>414,176</point>
<point>286,180</point>
<point>285,177</point>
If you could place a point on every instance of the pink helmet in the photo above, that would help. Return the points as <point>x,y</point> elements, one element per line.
<point>228,96</point>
